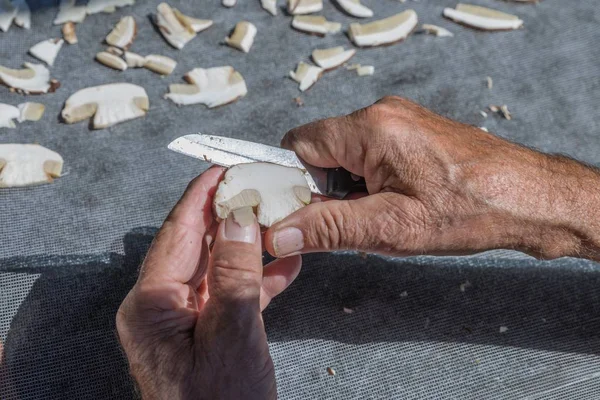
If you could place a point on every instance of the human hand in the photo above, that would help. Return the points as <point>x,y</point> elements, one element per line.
<point>438,186</point>
<point>191,327</point>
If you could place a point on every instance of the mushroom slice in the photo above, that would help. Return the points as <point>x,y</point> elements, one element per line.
<point>114,50</point>
<point>196,24</point>
<point>316,25</point>
<point>364,70</point>
<point>270,6</point>
<point>436,30</point>
<point>159,64</point>
<point>173,30</point>
<point>123,33</point>
<point>68,31</point>
<point>482,18</point>
<point>107,6</point>
<point>7,114</point>
<point>28,164</point>
<point>385,31</point>
<point>108,104</point>
<point>229,3</point>
<point>32,79</point>
<point>332,58</point>
<point>298,7</point>
<point>7,14</point>
<point>47,50</point>
<point>30,111</point>
<point>111,60</point>
<point>212,87</point>
<point>354,8</point>
<point>306,75</point>
<point>134,60</point>
<point>23,17</point>
<point>242,36</point>
<point>274,191</point>
<point>69,12</point>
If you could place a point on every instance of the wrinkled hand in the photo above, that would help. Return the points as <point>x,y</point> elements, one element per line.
<point>191,327</point>
<point>437,186</point>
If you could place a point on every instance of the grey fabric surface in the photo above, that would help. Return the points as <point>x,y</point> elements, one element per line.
<point>69,251</point>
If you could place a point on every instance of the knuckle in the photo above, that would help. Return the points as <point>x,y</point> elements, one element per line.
<point>334,227</point>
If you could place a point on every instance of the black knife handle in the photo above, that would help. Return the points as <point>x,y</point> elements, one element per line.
<point>341,182</point>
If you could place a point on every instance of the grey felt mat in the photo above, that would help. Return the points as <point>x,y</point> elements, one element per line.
<point>69,251</point>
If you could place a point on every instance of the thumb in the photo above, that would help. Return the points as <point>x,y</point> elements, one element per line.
<point>235,269</point>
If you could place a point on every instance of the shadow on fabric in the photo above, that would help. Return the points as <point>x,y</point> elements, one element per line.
<point>62,342</point>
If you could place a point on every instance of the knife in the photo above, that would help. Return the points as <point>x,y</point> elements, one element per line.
<point>226,152</point>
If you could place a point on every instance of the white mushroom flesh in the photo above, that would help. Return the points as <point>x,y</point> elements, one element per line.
<point>242,37</point>
<point>30,111</point>
<point>7,114</point>
<point>270,6</point>
<point>212,87</point>
<point>482,17</point>
<point>299,7</point>
<point>274,191</point>
<point>229,3</point>
<point>33,79</point>
<point>306,75</point>
<point>123,33</point>
<point>354,8</point>
<point>107,6</point>
<point>365,70</point>
<point>317,25</point>
<point>23,17</point>
<point>111,60</point>
<point>68,11</point>
<point>195,24</point>
<point>332,58</point>
<point>134,60</point>
<point>47,50</point>
<point>108,104</point>
<point>68,31</point>
<point>28,164</point>
<point>159,64</point>
<point>384,31</point>
<point>173,30</point>
<point>436,30</point>
<point>7,14</point>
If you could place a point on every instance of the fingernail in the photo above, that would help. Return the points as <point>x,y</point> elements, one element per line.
<point>237,233</point>
<point>288,241</point>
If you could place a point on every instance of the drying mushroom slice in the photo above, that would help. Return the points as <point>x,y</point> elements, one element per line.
<point>47,50</point>
<point>107,6</point>
<point>332,58</point>
<point>482,18</point>
<point>23,16</point>
<point>229,3</point>
<point>108,104</point>
<point>28,164</point>
<point>436,30</point>
<point>111,60</point>
<point>114,50</point>
<point>298,7</point>
<point>316,25</point>
<point>68,11</point>
<point>274,191</point>
<point>242,36</point>
<point>354,8</point>
<point>364,70</point>
<point>270,6</point>
<point>7,14</point>
<point>123,33</point>
<point>385,31</point>
<point>68,31</point>
<point>195,24</point>
<point>134,60</point>
<point>160,64</point>
<point>306,75</point>
<point>176,33</point>
<point>7,114</point>
<point>212,87</point>
<point>32,79</point>
<point>30,111</point>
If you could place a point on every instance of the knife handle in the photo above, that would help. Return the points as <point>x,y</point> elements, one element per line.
<point>341,182</point>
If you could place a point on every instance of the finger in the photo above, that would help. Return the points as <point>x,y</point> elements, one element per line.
<point>277,276</point>
<point>179,246</point>
<point>365,224</point>
<point>235,267</point>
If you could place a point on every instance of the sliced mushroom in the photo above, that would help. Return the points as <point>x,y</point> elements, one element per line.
<point>175,32</point>
<point>47,50</point>
<point>28,164</point>
<point>7,114</point>
<point>270,6</point>
<point>229,3</point>
<point>123,33</point>
<point>114,50</point>
<point>23,17</point>
<point>68,11</point>
<point>134,60</point>
<point>306,75</point>
<point>68,31</point>
<point>436,30</point>
<point>385,31</point>
<point>482,18</point>
<point>32,79</point>
<point>111,60</point>
<point>332,58</point>
<point>7,14</point>
<point>299,7</point>
<point>316,25</point>
<point>196,24</point>
<point>274,191</point>
<point>364,70</point>
<point>212,87</point>
<point>30,111</point>
<point>107,6</point>
<point>160,64</point>
<point>354,8</point>
<point>242,37</point>
<point>108,104</point>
